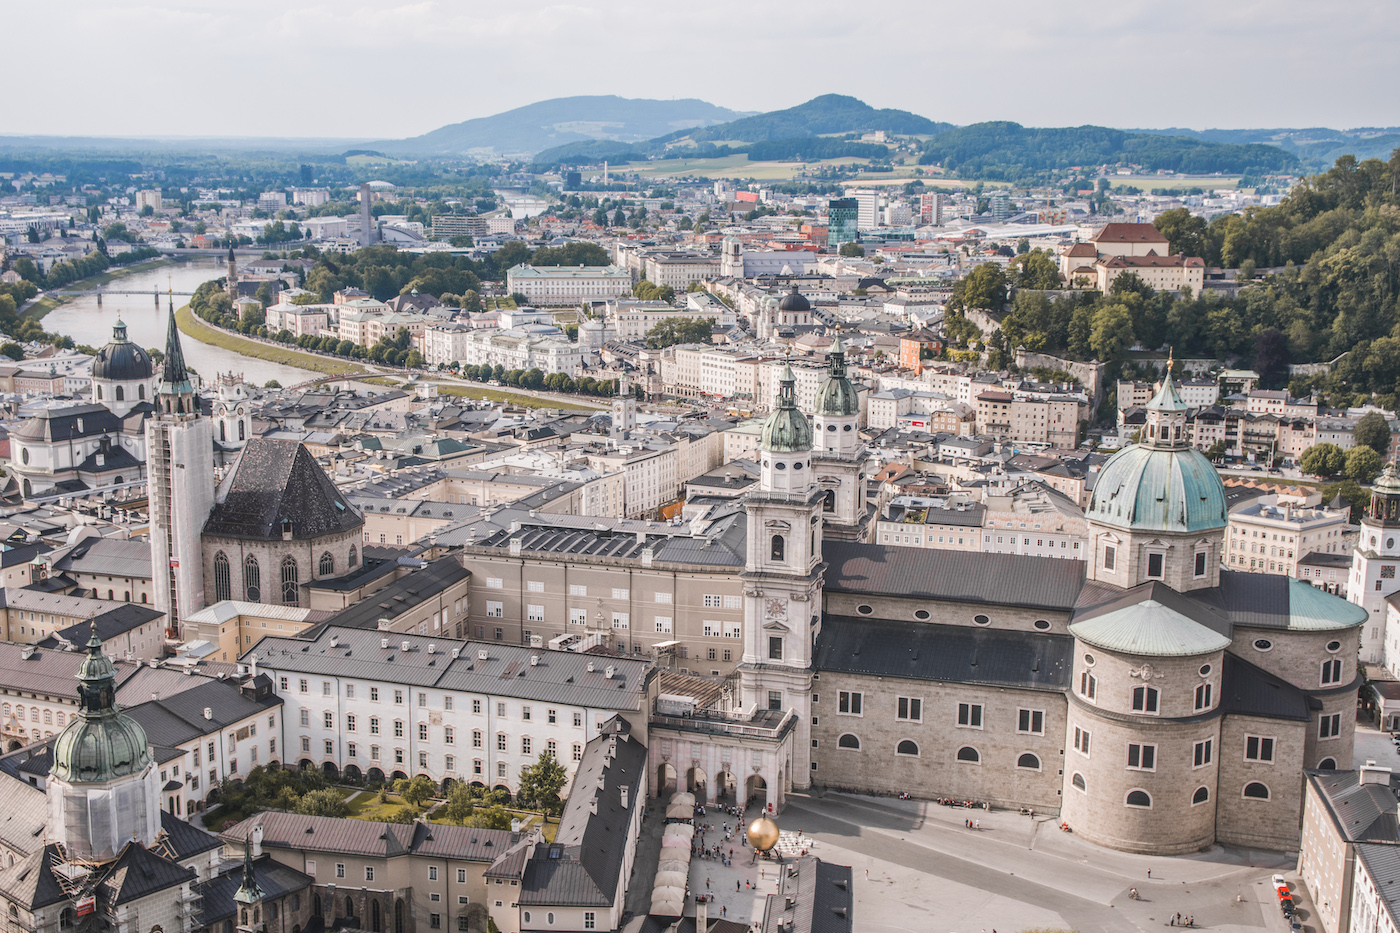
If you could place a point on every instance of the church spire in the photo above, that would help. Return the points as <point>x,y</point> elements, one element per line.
<point>249,892</point>
<point>174,377</point>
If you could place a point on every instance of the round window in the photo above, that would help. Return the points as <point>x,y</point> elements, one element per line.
<point>921,614</point>
<point>831,427</point>
<point>1088,660</point>
<point>1334,646</point>
<point>1373,540</point>
<point>1390,542</point>
<point>846,428</point>
<point>780,466</point>
<point>1205,670</point>
<point>982,620</point>
<point>1262,644</point>
<point>797,465</point>
<point>1042,624</point>
<point>864,610</point>
<point>24,454</point>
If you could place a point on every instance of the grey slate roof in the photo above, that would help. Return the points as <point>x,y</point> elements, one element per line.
<point>275,482</point>
<point>180,718</point>
<point>1248,690</point>
<point>1360,812</point>
<point>821,897</point>
<point>24,815</point>
<point>30,882</point>
<point>400,596</point>
<point>372,840</point>
<point>583,866</point>
<point>139,872</point>
<point>944,653</point>
<point>1383,865</point>
<point>185,839</point>
<point>110,624</point>
<point>275,879</point>
<point>559,676</point>
<point>953,576</point>
<point>108,556</point>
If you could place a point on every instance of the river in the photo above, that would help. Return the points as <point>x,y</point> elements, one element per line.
<point>82,319</point>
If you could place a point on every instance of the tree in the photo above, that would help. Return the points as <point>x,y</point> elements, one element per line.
<point>984,287</point>
<point>1372,431</point>
<point>417,790</point>
<point>1217,451</point>
<point>541,783</point>
<point>852,249</point>
<point>324,802</point>
<point>1362,464</point>
<point>1112,332</point>
<point>1271,356</point>
<point>404,814</point>
<point>1323,460</point>
<point>491,818</point>
<point>1358,497</point>
<point>674,330</point>
<point>1185,232</point>
<point>1036,270</point>
<point>13,350</point>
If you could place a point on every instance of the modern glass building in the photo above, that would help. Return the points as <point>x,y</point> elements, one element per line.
<point>842,216</point>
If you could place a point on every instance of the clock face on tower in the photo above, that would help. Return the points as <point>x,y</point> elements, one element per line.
<point>776,608</point>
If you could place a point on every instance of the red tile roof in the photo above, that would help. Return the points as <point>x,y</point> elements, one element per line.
<point>1152,262</point>
<point>1082,249</point>
<point>1129,233</point>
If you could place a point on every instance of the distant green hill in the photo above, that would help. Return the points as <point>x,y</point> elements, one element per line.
<point>1317,146</point>
<point>1011,152</point>
<point>549,123</point>
<point>830,113</point>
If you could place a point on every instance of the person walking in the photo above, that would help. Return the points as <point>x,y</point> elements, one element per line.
<point>1149,874</point>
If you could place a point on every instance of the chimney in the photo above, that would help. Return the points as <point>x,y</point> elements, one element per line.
<point>403,646</point>
<point>208,712</point>
<point>515,545</point>
<point>257,841</point>
<point>1372,773</point>
<point>702,915</point>
<point>623,789</point>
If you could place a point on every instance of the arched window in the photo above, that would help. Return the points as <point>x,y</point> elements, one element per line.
<point>223,431</point>
<point>1256,790</point>
<point>907,748</point>
<point>779,548</point>
<point>327,564</point>
<point>1145,699</point>
<point>1077,781</point>
<point>354,557</point>
<point>252,579</point>
<point>289,582</point>
<point>1138,798</point>
<point>1201,795</point>
<point>1028,761</point>
<point>1327,764</point>
<point>968,753</point>
<point>829,501</point>
<point>848,741</point>
<point>223,588</point>
<point>121,394</point>
<point>141,392</point>
<point>99,393</point>
<point>242,429</point>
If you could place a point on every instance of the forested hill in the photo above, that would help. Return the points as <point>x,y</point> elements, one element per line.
<point>829,113</point>
<point>1011,152</point>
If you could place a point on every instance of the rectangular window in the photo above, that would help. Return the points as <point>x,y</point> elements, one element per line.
<point>1329,727</point>
<point>1154,565</point>
<point>304,717</point>
<point>911,709</point>
<point>374,725</point>
<point>619,593</point>
<point>733,602</point>
<point>374,694</point>
<point>1331,671</point>
<point>422,732</point>
<point>1201,755</point>
<point>1081,741</point>
<point>619,621</point>
<point>663,598</point>
<point>422,701</point>
<point>577,590</point>
<point>340,869</point>
<point>495,609</point>
<point>525,713</point>
<point>1142,757</point>
<point>1031,721</point>
<point>351,750</point>
<point>311,867</point>
<point>398,697</point>
<point>1200,563</point>
<point>325,688</point>
<point>328,720</point>
<point>461,876</point>
<point>578,720</point>
<point>301,685</point>
<point>1203,692</point>
<point>848,703</point>
<point>534,613</point>
<point>970,715</point>
<point>432,872</point>
<point>1260,748</point>
<point>590,921</point>
<point>476,738</point>
<point>449,735</point>
<point>494,583</point>
<point>349,722</point>
<point>578,616</point>
<point>526,746</point>
<point>577,752</point>
<point>775,648</point>
<point>476,707</point>
<point>369,872</point>
<point>663,625</point>
<point>713,601</point>
<point>398,728</point>
<point>1088,685</point>
<point>330,748</point>
<point>501,742</point>
<point>1145,699</point>
<point>1110,557</point>
<point>535,586</point>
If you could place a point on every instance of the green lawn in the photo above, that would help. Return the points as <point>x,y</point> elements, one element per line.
<point>514,398</point>
<point>368,806</point>
<point>192,326</point>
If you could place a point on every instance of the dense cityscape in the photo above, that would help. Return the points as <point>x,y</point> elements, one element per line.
<point>546,521</point>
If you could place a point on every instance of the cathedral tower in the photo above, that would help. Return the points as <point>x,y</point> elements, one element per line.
<point>1373,579</point>
<point>783,575</point>
<point>180,466</point>
<point>838,456</point>
<point>232,282</point>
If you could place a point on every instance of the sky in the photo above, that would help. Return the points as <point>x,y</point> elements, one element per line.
<point>383,69</point>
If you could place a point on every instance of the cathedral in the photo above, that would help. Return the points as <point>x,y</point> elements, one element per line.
<point>1155,701</point>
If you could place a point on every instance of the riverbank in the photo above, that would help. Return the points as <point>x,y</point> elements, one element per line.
<point>36,310</point>
<point>193,327</point>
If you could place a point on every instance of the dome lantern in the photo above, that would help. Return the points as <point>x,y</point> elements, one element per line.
<point>787,429</point>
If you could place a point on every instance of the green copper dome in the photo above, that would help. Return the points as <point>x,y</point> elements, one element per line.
<point>836,395</point>
<point>1157,489</point>
<point>100,744</point>
<point>787,430</point>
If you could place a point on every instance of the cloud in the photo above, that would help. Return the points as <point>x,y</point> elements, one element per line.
<point>360,69</point>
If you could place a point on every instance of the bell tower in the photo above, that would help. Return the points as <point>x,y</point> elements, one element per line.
<point>783,576</point>
<point>838,455</point>
<point>180,467</point>
<point>1373,565</point>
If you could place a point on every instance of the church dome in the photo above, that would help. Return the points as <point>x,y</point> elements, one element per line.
<point>787,429</point>
<point>837,395</point>
<point>794,301</point>
<point>100,744</point>
<point>1154,489</point>
<point>121,360</point>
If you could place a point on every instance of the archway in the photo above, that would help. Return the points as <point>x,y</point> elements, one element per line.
<point>696,783</point>
<point>479,784</point>
<point>665,779</point>
<point>12,745</point>
<point>726,787</point>
<point>352,774</point>
<point>331,771</point>
<point>349,907</point>
<point>376,925</point>
<point>374,776</point>
<point>504,790</point>
<point>398,776</point>
<point>755,790</point>
<point>398,916</point>
<point>306,764</point>
<point>447,784</point>
<point>316,905</point>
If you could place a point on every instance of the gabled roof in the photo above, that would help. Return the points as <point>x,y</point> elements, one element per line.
<point>1361,812</point>
<point>274,879</point>
<point>371,840</point>
<point>139,872</point>
<point>30,882</point>
<point>1129,233</point>
<point>276,482</point>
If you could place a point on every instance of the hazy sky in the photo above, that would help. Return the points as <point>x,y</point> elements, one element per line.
<point>392,68</point>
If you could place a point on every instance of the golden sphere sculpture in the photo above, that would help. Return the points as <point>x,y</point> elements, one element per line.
<point>763,834</point>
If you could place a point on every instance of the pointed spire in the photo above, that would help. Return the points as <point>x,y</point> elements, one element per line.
<point>1167,398</point>
<point>174,377</point>
<point>249,892</point>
